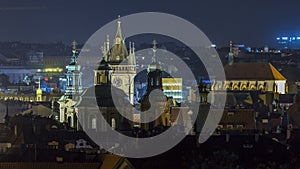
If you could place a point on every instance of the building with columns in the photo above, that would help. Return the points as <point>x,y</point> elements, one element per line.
<point>262,77</point>
<point>252,76</point>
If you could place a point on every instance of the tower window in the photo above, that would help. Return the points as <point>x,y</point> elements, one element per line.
<point>113,123</point>
<point>94,123</point>
<point>71,82</point>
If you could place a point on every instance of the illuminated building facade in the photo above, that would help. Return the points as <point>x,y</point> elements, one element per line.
<point>67,112</point>
<point>262,77</point>
<point>155,100</point>
<point>99,99</point>
<point>122,63</point>
<point>172,87</point>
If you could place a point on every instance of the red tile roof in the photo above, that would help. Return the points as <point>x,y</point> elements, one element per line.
<point>252,71</point>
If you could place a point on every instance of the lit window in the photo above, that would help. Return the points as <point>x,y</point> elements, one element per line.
<point>94,123</point>
<point>229,126</point>
<point>219,126</point>
<point>265,121</point>
<point>230,113</point>
<point>240,126</point>
<point>113,123</point>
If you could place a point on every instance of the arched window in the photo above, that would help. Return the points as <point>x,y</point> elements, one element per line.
<point>70,121</point>
<point>113,123</point>
<point>71,81</point>
<point>94,123</point>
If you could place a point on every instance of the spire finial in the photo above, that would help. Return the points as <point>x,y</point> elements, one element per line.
<point>107,43</point>
<point>154,46</point>
<point>119,19</point>
<point>39,82</point>
<point>119,37</point>
<point>74,50</point>
<point>74,44</point>
<point>230,54</point>
<point>133,47</point>
<point>154,51</point>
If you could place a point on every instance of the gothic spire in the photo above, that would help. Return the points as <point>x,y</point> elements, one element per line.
<point>39,90</point>
<point>107,44</point>
<point>74,51</point>
<point>131,57</point>
<point>155,65</point>
<point>154,49</point>
<point>118,37</point>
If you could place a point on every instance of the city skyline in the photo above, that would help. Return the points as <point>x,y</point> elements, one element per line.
<point>149,84</point>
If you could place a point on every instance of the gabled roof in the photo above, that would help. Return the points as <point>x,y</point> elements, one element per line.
<point>111,161</point>
<point>252,71</point>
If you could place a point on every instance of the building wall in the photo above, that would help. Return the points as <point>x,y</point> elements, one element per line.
<point>172,87</point>
<point>274,86</point>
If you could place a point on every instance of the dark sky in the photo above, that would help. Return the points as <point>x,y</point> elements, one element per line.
<point>252,22</point>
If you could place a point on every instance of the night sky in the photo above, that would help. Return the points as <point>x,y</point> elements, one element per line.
<point>251,22</point>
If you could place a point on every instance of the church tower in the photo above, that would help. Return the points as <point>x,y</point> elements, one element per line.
<point>67,112</point>
<point>73,75</point>
<point>39,92</point>
<point>158,103</point>
<point>102,75</point>
<point>122,63</point>
<point>154,72</point>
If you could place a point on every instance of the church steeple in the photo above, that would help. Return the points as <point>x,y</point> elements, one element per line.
<point>119,64</point>
<point>154,72</point>
<point>131,57</point>
<point>74,51</point>
<point>39,92</point>
<point>154,49</point>
<point>118,37</point>
<point>106,48</point>
<point>118,51</point>
<point>74,81</point>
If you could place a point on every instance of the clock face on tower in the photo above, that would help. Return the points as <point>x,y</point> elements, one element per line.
<point>117,82</point>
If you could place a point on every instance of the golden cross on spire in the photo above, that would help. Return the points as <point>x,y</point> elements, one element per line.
<point>74,44</point>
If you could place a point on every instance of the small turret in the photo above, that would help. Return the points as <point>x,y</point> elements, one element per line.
<point>39,92</point>
<point>131,57</point>
<point>154,72</point>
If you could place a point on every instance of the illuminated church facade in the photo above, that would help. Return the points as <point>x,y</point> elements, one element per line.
<point>122,62</point>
